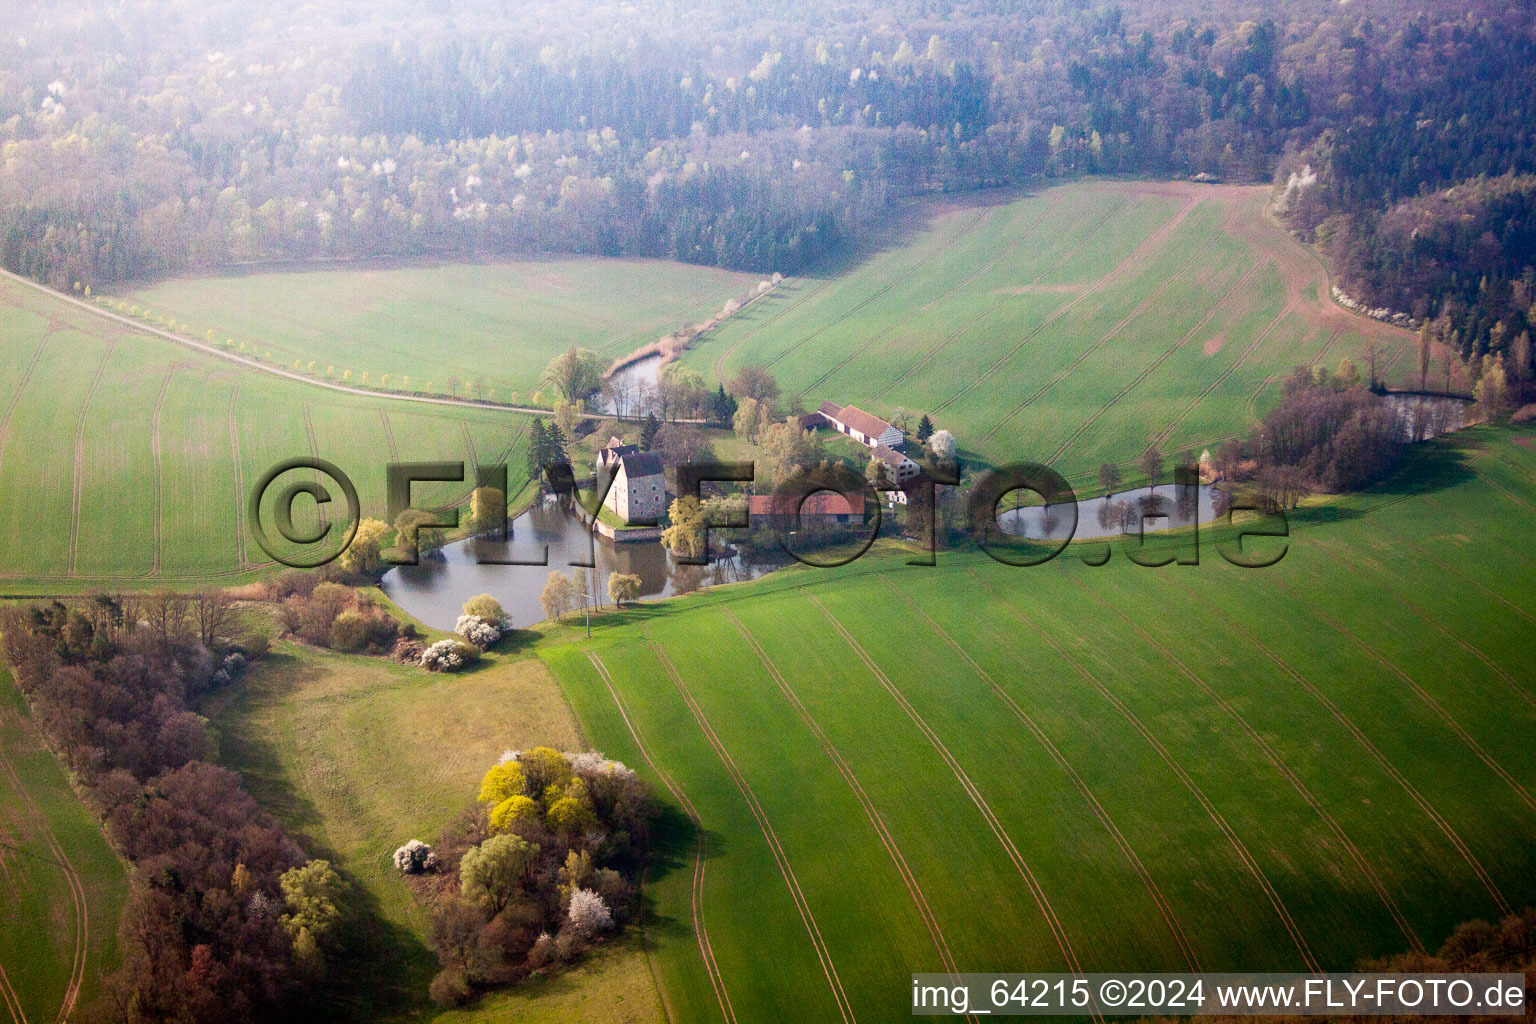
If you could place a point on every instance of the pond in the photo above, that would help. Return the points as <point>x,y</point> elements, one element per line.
<point>1425,416</point>
<point>633,387</point>
<point>1177,508</point>
<point>435,590</point>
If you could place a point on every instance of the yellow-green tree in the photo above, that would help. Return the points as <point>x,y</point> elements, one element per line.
<point>363,554</point>
<point>503,781</point>
<point>687,532</point>
<point>310,895</point>
<point>490,873</point>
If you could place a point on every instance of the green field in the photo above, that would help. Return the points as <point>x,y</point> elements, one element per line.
<point>980,767</point>
<point>61,886</point>
<point>475,330</point>
<point>125,458</point>
<point>1072,326</point>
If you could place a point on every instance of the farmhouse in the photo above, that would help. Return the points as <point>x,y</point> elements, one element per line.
<point>899,468</point>
<point>639,491</point>
<point>821,508</point>
<point>865,428</point>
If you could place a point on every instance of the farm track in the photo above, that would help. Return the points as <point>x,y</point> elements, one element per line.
<point>76,893</point>
<point>469,446</point>
<point>719,364</point>
<point>973,275</point>
<point>1274,758</point>
<point>845,1008</point>
<point>389,436</point>
<point>1033,884</point>
<point>1217,818</point>
<point>234,448</point>
<point>1381,759</point>
<point>1506,602</point>
<point>1418,691</point>
<point>77,470</point>
<point>1175,928</point>
<point>1510,682</point>
<point>892,283</point>
<point>1082,428</point>
<point>1222,377</point>
<point>1104,339</point>
<point>155,451</point>
<point>1134,259</point>
<point>696,894</point>
<point>10,410</point>
<point>876,820</point>
<point>11,999</point>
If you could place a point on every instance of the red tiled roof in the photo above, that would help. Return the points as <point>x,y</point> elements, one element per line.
<point>865,423</point>
<point>830,409</point>
<point>890,456</point>
<point>822,503</point>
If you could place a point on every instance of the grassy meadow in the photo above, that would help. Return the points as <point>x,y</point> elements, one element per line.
<point>125,459</point>
<point>982,767</point>
<point>61,886</point>
<point>474,330</point>
<point>1072,326</point>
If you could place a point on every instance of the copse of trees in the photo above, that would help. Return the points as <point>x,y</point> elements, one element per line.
<point>226,920</point>
<point>537,871</point>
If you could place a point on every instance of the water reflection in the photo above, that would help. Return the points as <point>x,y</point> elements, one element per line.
<point>435,590</point>
<point>1168,507</point>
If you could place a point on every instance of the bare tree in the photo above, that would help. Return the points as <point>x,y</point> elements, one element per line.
<point>212,611</point>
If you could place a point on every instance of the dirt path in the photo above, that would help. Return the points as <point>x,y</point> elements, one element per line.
<point>919,898</point>
<point>1274,758</point>
<point>76,893</point>
<point>234,449</point>
<point>155,450</point>
<point>696,895</point>
<point>845,1008</point>
<point>11,999</point>
<point>389,436</point>
<point>78,469</point>
<point>1175,928</point>
<point>1064,944</point>
<point>1137,257</point>
<point>1217,818</point>
<point>1381,759</point>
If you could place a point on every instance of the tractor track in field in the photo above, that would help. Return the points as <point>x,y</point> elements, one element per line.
<point>1104,339</point>
<point>1058,931</point>
<point>10,410</point>
<point>469,445</point>
<point>389,435</point>
<point>76,894</point>
<point>696,894</point>
<point>1274,758</point>
<point>1512,496</point>
<point>844,1006</point>
<point>11,999</point>
<point>1133,260</point>
<point>1391,770</point>
<point>1180,937</point>
<point>1221,378</point>
<point>155,451</point>
<point>1007,251</point>
<point>1217,818</point>
<point>1167,354</point>
<point>986,311</point>
<point>883,289</point>
<point>919,898</point>
<point>1510,682</point>
<point>234,448</point>
<point>77,469</point>
<point>1418,691</point>
<point>1506,602</point>
<point>719,364</point>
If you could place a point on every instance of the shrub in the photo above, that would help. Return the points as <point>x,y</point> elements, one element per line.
<point>1524,414</point>
<point>234,665</point>
<point>478,631</point>
<point>484,606</point>
<point>349,631</point>
<point>588,914</point>
<point>448,656</point>
<point>449,988</point>
<point>408,652</point>
<point>415,857</point>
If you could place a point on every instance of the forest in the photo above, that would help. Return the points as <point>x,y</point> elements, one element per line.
<point>139,140</point>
